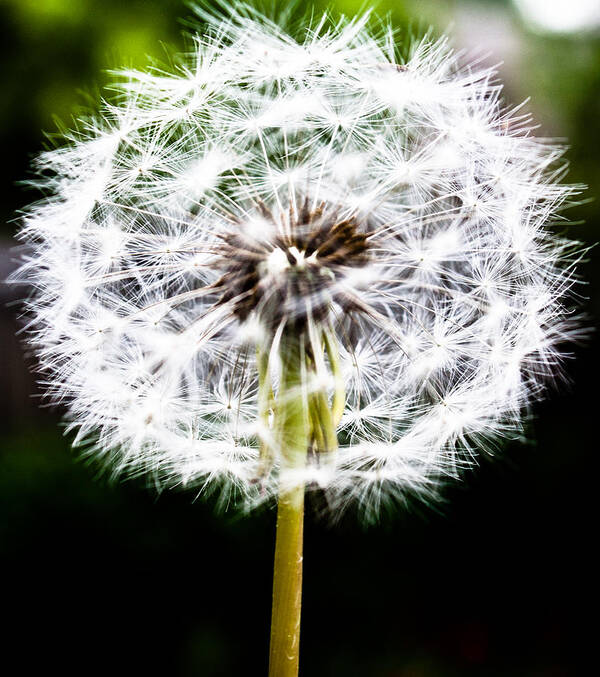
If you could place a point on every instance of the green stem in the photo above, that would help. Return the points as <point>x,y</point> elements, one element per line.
<point>287,585</point>
<point>293,427</point>
<point>301,420</point>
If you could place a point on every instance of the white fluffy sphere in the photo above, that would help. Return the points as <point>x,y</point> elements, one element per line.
<point>334,187</point>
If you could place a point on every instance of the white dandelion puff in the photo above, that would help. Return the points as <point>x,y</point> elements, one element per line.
<point>374,213</point>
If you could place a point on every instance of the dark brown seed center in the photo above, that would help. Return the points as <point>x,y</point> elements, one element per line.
<point>292,272</point>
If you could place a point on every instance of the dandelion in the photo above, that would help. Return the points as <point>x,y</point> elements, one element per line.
<point>299,263</point>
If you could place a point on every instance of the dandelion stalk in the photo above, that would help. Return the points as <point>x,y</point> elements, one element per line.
<point>303,421</point>
<point>292,412</point>
<point>287,584</point>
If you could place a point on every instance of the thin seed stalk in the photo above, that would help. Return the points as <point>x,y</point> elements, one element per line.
<point>292,412</point>
<point>287,585</point>
<point>303,420</point>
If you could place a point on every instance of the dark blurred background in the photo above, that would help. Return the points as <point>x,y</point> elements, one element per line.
<point>112,579</point>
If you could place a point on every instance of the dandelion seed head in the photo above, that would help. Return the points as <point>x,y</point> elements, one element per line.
<point>372,201</point>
